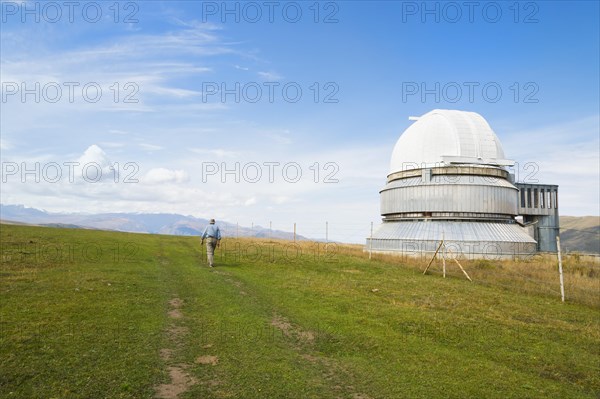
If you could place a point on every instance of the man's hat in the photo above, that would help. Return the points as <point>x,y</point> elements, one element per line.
<point>212,221</point>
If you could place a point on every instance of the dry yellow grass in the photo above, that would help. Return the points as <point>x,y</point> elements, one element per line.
<point>536,275</point>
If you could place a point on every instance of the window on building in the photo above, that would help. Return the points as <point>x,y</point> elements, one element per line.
<point>528,198</point>
<point>535,198</point>
<point>542,198</point>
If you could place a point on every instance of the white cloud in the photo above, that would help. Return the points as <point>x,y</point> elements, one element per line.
<point>270,76</point>
<point>5,144</point>
<point>170,91</point>
<point>119,132</point>
<point>150,147</point>
<point>162,175</point>
<point>567,154</point>
<point>112,144</point>
<point>217,152</point>
<point>162,189</point>
<point>280,199</point>
<point>94,154</point>
<point>134,59</point>
<point>282,137</point>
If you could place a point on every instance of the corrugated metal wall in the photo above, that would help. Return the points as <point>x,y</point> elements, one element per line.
<point>538,204</point>
<point>469,239</point>
<point>468,194</point>
<point>444,203</point>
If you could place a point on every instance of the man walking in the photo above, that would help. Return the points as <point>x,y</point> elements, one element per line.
<point>212,234</point>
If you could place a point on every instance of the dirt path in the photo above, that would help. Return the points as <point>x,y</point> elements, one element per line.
<point>184,377</point>
<point>181,380</point>
<point>303,341</point>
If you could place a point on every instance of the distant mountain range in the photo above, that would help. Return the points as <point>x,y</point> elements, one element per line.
<point>152,223</point>
<point>580,234</point>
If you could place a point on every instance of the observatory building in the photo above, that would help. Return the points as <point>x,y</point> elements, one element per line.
<point>448,180</point>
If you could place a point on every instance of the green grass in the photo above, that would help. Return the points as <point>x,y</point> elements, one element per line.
<point>84,314</point>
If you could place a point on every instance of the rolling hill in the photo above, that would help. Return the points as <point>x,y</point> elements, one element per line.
<point>580,234</point>
<point>151,223</point>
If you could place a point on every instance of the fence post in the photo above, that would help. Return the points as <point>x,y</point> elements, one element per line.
<point>294,232</point>
<point>560,270</point>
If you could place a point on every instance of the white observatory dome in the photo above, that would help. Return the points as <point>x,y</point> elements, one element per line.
<point>442,137</point>
<point>448,183</point>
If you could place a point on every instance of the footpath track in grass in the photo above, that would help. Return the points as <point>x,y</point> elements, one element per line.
<point>142,316</point>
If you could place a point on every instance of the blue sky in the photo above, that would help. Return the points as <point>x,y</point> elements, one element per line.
<point>354,62</point>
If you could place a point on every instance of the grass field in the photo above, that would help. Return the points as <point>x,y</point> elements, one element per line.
<point>94,314</point>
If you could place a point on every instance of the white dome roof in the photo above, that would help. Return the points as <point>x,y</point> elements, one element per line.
<point>443,137</point>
